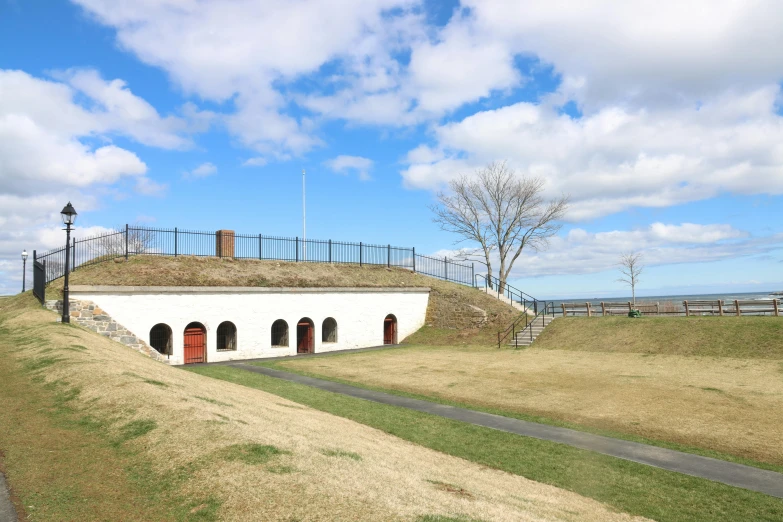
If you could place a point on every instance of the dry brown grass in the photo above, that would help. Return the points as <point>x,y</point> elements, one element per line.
<point>197,424</point>
<point>449,307</point>
<point>725,404</point>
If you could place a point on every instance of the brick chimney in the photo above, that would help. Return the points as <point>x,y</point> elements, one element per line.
<point>224,245</point>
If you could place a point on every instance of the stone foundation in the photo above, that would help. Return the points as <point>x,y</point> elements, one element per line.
<point>90,315</point>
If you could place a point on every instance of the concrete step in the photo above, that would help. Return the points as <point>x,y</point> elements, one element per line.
<point>523,337</point>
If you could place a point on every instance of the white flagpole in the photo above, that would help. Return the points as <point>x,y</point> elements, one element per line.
<point>304,220</point>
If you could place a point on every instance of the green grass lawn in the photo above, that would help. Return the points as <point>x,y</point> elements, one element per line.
<point>704,385</point>
<point>627,486</point>
<point>292,368</point>
<point>750,337</point>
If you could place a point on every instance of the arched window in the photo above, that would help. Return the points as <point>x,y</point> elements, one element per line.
<point>279,333</point>
<point>329,331</point>
<point>226,336</point>
<point>390,330</point>
<point>305,338</point>
<point>161,338</point>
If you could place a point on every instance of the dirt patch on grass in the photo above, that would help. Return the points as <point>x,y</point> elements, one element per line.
<point>724,404</point>
<point>457,314</point>
<point>263,446</point>
<point>451,488</point>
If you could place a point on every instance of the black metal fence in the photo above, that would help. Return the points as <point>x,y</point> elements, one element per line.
<point>175,242</point>
<point>39,279</point>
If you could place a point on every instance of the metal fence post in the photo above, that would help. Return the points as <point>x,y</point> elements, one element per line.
<point>473,275</point>
<point>259,246</point>
<point>297,249</point>
<point>330,251</point>
<point>73,256</point>
<point>414,260</point>
<point>445,268</point>
<point>388,256</point>
<point>126,241</point>
<point>175,241</point>
<point>360,253</point>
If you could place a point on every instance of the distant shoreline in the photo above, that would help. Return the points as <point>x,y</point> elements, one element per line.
<point>674,298</point>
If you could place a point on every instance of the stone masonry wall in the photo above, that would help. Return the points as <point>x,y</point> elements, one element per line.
<point>90,315</point>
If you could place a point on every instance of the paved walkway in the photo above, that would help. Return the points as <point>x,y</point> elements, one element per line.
<point>7,511</point>
<point>302,355</point>
<point>738,475</point>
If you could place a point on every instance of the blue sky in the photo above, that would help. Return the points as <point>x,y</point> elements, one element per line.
<point>662,121</point>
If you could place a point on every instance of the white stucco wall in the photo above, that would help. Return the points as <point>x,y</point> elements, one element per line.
<point>359,313</point>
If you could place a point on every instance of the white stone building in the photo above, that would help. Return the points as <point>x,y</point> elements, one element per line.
<point>212,324</point>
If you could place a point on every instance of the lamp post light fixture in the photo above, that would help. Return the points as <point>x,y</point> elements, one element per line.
<point>24,269</point>
<point>68,214</point>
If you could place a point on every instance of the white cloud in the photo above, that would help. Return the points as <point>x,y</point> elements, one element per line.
<point>55,146</point>
<point>202,171</point>
<point>126,113</point>
<point>460,68</point>
<point>239,50</point>
<point>645,51</point>
<point>258,161</point>
<point>680,99</point>
<point>620,158</point>
<point>692,233</point>
<point>582,252</point>
<point>344,164</point>
<point>40,131</point>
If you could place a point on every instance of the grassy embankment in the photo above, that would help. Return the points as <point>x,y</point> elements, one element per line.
<point>91,430</point>
<point>453,314</point>
<point>706,385</point>
<point>626,486</point>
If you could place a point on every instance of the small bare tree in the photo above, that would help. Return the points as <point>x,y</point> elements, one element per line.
<point>631,267</point>
<point>112,244</point>
<point>503,212</point>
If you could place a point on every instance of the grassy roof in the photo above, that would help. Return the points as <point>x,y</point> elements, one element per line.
<point>452,316</point>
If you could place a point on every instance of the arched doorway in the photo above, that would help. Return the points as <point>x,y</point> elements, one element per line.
<point>304,336</point>
<point>390,330</point>
<point>195,343</point>
<point>161,338</point>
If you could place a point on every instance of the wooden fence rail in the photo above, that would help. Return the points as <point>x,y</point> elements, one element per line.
<point>688,308</point>
<point>735,307</point>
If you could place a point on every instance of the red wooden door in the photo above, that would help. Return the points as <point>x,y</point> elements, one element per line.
<point>195,345</point>
<point>390,330</point>
<point>304,337</point>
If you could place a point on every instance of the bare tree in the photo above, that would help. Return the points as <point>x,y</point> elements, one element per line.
<point>112,244</point>
<point>503,212</point>
<point>631,267</point>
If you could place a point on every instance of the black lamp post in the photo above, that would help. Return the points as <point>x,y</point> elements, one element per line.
<point>24,269</point>
<point>68,214</point>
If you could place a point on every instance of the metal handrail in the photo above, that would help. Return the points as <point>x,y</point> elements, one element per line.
<point>548,306</point>
<point>512,293</point>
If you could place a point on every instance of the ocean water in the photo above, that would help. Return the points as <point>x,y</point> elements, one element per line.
<point>678,299</point>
